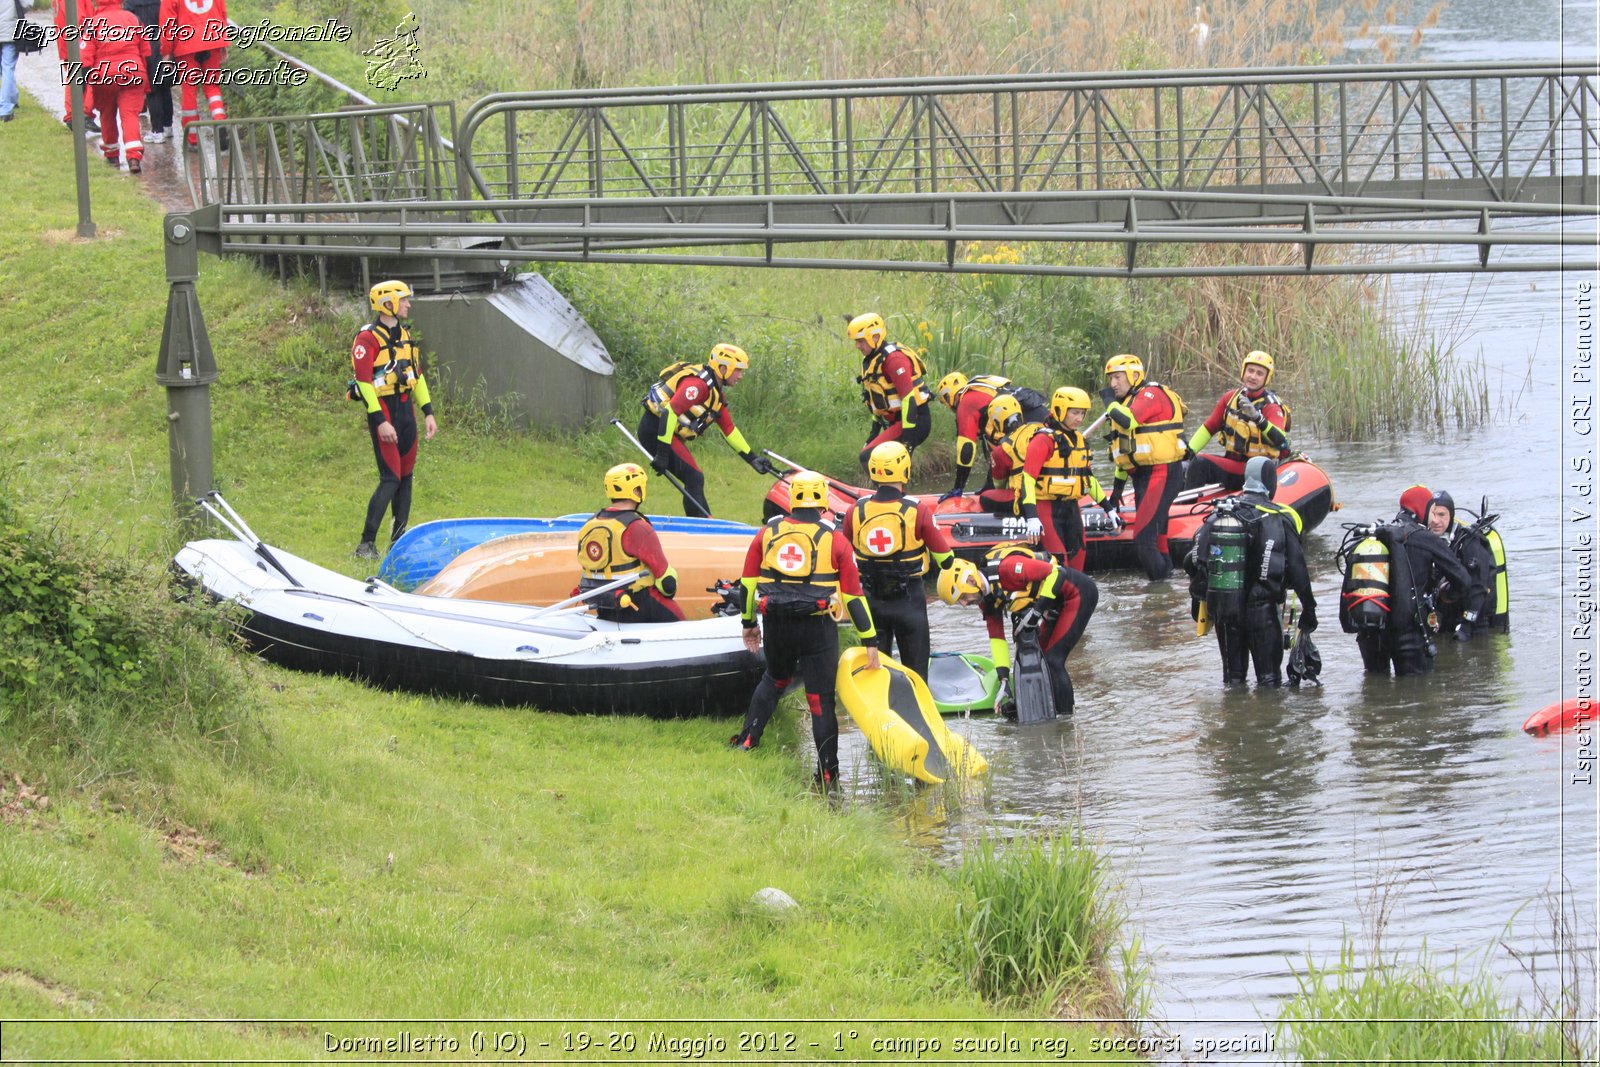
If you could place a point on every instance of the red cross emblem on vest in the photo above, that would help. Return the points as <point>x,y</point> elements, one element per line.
<point>594,551</point>
<point>880,541</point>
<point>790,558</point>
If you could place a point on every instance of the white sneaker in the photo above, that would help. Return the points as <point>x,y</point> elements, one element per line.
<point>156,136</point>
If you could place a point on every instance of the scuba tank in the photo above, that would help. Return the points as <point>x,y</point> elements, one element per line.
<point>1365,600</point>
<point>1225,565</point>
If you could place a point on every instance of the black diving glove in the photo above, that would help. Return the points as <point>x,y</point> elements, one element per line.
<point>1308,618</point>
<point>760,464</point>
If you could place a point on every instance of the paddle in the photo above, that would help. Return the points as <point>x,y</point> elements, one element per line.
<point>839,487</point>
<point>236,526</point>
<point>596,591</point>
<point>665,473</point>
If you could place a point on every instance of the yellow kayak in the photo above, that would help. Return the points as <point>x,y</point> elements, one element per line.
<point>542,568</point>
<point>895,711</point>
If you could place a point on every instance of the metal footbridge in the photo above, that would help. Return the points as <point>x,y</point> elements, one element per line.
<point>1317,170</point>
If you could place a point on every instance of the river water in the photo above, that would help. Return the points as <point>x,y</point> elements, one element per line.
<point>1255,830</point>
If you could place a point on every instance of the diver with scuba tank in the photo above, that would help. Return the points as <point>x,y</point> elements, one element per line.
<point>1483,607</point>
<point>1389,572</point>
<point>1245,560</point>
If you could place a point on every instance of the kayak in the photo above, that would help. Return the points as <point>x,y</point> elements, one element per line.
<point>422,551</point>
<point>962,682</point>
<point>542,568</point>
<point>1564,715</point>
<point>1301,484</point>
<point>894,710</point>
<point>306,617</point>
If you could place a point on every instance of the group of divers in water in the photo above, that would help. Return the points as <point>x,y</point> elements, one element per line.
<point>1424,574</point>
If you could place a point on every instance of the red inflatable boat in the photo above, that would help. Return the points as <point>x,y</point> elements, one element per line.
<point>1562,716</point>
<point>1301,484</point>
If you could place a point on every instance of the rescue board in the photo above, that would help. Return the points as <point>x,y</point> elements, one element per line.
<point>962,682</point>
<point>1560,716</point>
<point>895,711</point>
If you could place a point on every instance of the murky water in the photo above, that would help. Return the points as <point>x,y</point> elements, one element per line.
<point>1256,829</point>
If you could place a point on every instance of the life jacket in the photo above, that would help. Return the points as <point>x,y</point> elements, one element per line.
<point>394,368</point>
<point>1065,475</point>
<point>1015,447</point>
<point>1228,542</point>
<point>603,559</point>
<point>988,386</point>
<point>1241,438</point>
<point>1498,608</point>
<point>1150,444</point>
<point>697,419</point>
<point>1001,600</point>
<point>878,390</point>
<point>890,553</point>
<point>792,581</point>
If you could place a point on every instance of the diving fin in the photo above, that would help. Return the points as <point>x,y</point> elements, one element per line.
<point>1030,681</point>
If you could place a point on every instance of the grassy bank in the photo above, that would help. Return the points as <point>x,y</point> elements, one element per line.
<point>339,852</point>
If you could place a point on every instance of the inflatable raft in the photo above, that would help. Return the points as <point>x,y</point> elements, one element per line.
<point>1579,711</point>
<point>423,551</point>
<point>1301,484</point>
<point>309,618</point>
<point>894,710</point>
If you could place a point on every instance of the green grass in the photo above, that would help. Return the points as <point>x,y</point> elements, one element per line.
<point>350,853</point>
<point>1392,1010</point>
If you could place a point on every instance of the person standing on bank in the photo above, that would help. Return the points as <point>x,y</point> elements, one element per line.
<point>196,37</point>
<point>389,381</point>
<point>1248,421</point>
<point>620,542</point>
<point>158,98</point>
<point>1146,447</point>
<point>1245,559</point>
<point>893,386</point>
<point>798,572</point>
<point>894,536</point>
<point>684,402</point>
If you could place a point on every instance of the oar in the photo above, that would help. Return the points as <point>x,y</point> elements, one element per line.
<point>236,526</point>
<point>665,474</point>
<point>596,591</point>
<point>841,487</point>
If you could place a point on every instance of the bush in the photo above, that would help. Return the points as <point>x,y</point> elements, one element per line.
<point>94,652</point>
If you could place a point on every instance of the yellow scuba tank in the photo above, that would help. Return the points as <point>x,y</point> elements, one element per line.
<point>1365,601</point>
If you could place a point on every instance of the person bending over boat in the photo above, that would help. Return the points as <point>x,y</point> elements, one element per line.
<point>388,380</point>
<point>893,536</point>
<point>969,399</point>
<point>1147,448</point>
<point>620,542</point>
<point>1052,601</point>
<point>1482,607</point>
<point>798,573</point>
<point>1245,560</point>
<point>892,386</point>
<point>1248,421</point>
<point>1058,462</point>
<point>683,403</point>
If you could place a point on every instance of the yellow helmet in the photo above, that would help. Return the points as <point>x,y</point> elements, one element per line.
<point>1066,399</point>
<point>869,326</point>
<point>626,481</point>
<point>950,387</point>
<point>1005,414</point>
<point>889,462</point>
<point>960,578</point>
<point>808,489</point>
<point>1132,366</point>
<point>1260,359</point>
<point>385,297</point>
<point>725,359</point>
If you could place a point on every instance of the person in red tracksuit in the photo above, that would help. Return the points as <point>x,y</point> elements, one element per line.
<point>194,33</point>
<point>619,542</point>
<point>1249,421</point>
<point>1036,593</point>
<point>798,571</point>
<point>119,79</point>
<point>87,9</point>
<point>1146,420</point>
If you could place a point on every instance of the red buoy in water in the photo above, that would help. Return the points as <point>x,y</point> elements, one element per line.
<point>1579,711</point>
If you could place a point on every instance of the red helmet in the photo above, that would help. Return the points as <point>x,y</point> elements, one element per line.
<point>1416,500</point>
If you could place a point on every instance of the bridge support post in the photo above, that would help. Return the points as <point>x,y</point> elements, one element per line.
<point>186,366</point>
